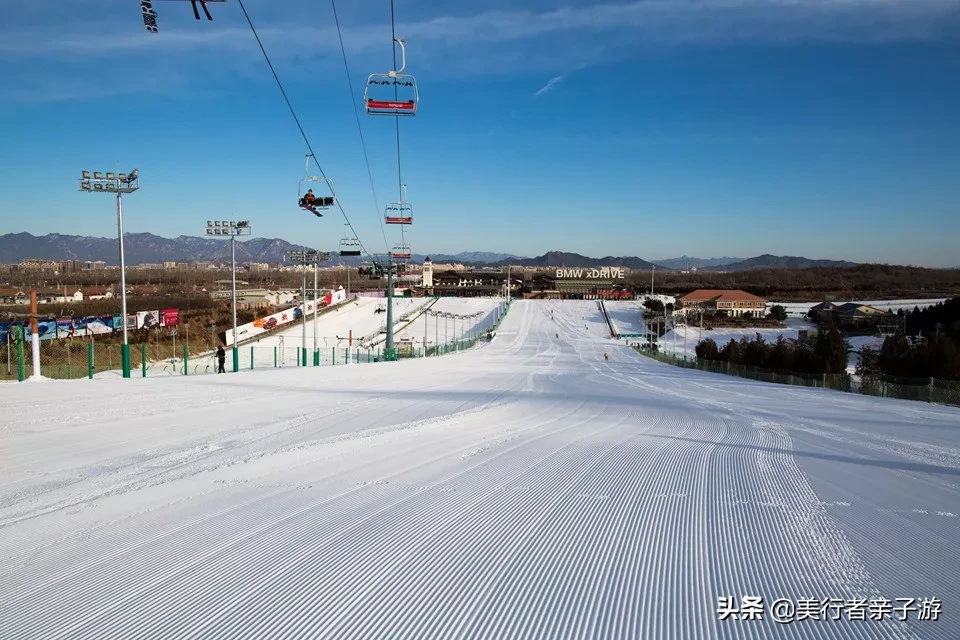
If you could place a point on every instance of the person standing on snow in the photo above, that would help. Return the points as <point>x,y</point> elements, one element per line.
<point>221,357</point>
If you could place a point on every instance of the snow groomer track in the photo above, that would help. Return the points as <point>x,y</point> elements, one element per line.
<point>524,488</point>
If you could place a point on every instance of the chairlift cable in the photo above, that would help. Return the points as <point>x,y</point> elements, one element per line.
<point>297,120</point>
<point>356,115</point>
<point>396,94</point>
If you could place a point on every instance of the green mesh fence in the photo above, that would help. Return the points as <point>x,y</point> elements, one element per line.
<point>79,358</point>
<point>925,390</point>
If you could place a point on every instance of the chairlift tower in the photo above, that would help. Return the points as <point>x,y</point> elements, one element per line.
<point>231,229</point>
<point>118,183</point>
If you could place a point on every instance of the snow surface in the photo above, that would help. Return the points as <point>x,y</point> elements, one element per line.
<point>522,488</point>
<point>446,330</point>
<point>626,316</point>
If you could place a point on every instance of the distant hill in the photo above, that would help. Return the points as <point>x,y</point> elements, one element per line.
<point>687,262</point>
<point>768,261</point>
<point>469,257</point>
<point>564,259</point>
<point>139,248</point>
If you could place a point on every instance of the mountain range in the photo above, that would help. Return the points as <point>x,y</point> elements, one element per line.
<point>146,248</point>
<point>687,262</point>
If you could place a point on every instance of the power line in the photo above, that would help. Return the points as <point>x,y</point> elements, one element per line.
<point>299,126</point>
<point>356,114</point>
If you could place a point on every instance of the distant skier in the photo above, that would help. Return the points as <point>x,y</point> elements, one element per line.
<point>221,357</point>
<point>606,357</point>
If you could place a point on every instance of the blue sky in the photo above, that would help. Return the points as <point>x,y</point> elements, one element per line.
<point>824,128</point>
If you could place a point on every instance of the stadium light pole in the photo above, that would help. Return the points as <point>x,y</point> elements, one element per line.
<point>305,258</point>
<point>118,183</point>
<point>231,229</point>
<point>388,355</point>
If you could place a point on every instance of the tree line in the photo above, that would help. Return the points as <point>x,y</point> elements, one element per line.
<point>824,353</point>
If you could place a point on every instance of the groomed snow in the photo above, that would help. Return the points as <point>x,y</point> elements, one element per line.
<point>523,488</point>
<point>627,316</point>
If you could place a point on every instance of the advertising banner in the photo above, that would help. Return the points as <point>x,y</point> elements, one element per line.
<point>99,325</point>
<point>4,331</point>
<point>131,322</point>
<point>262,325</point>
<point>46,329</point>
<point>65,327</point>
<point>148,319</point>
<point>169,317</point>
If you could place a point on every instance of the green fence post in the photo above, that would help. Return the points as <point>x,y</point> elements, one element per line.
<point>346,355</point>
<point>125,359</point>
<point>236,358</point>
<point>304,350</point>
<point>368,354</point>
<point>298,356</point>
<point>143,359</point>
<point>316,357</point>
<point>274,357</point>
<point>333,350</point>
<point>90,360</point>
<point>21,366</point>
<point>186,360</point>
<point>251,358</point>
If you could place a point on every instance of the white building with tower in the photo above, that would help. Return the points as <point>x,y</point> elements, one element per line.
<point>427,273</point>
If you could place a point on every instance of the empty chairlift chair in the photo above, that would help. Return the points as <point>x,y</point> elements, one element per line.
<point>349,245</point>
<point>393,93</point>
<point>401,252</point>
<point>400,212</point>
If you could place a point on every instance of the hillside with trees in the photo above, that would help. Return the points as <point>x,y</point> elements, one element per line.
<point>862,282</point>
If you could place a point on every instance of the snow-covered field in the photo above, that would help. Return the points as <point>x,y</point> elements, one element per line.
<point>627,316</point>
<point>523,488</point>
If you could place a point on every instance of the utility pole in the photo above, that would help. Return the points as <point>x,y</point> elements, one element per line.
<point>653,268</point>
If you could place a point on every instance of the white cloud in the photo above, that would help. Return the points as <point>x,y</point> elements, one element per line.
<point>648,21</point>
<point>554,81</point>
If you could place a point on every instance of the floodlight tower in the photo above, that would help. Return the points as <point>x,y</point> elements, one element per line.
<point>305,258</point>
<point>118,183</point>
<point>231,229</point>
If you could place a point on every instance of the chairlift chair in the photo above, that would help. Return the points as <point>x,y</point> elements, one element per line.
<point>349,244</point>
<point>307,183</point>
<point>349,247</point>
<point>400,212</point>
<point>400,251</point>
<point>404,97</point>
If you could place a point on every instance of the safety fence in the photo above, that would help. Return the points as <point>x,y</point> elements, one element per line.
<point>77,359</point>
<point>922,389</point>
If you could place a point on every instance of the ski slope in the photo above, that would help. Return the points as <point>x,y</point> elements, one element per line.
<point>447,330</point>
<point>522,488</point>
<point>627,316</point>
